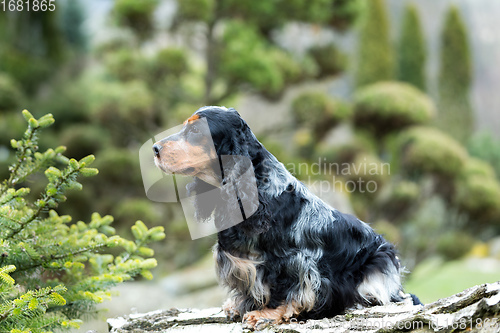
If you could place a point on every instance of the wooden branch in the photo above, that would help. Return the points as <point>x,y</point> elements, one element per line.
<point>474,310</point>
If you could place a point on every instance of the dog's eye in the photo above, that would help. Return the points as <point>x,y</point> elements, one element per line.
<point>194,130</point>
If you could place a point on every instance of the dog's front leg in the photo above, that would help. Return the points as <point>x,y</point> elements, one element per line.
<point>260,319</point>
<point>230,308</point>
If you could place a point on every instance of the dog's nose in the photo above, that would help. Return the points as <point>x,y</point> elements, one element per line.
<point>156,149</point>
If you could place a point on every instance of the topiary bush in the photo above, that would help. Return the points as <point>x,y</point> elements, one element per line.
<point>386,107</point>
<point>345,12</point>
<point>125,65</point>
<point>398,200</point>
<point>486,147</point>
<point>476,167</point>
<point>456,113</point>
<point>375,53</point>
<point>136,15</point>
<point>195,10</point>
<point>329,59</point>
<point>248,60</point>
<point>455,244</point>
<point>303,141</point>
<point>289,67</point>
<point>478,191</point>
<point>368,172</point>
<point>428,150</point>
<point>412,51</point>
<point>54,271</point>
<point>319,112</point>
<point>169,61</point>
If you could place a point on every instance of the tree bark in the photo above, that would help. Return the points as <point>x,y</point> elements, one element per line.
<point>474,310</point>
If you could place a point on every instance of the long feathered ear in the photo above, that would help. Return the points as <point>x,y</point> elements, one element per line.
<point>236,139</point>
<point>260,221</point>
<point>205,207</point>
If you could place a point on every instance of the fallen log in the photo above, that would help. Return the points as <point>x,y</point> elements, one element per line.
<point>476,309</point>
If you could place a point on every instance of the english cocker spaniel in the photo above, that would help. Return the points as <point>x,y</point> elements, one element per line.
<point>295,256</point>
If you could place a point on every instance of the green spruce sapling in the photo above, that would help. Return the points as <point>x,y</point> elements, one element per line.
<point>54,271</point>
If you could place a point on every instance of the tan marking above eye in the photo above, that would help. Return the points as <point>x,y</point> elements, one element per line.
<point>191,119</point>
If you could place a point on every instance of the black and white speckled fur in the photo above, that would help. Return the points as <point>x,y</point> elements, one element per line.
<point>295,250</point>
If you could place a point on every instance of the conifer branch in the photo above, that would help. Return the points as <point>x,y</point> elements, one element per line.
<point>32,241</point>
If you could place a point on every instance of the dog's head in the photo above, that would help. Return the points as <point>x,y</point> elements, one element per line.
<point>210,132</point>
<point>215,146</point>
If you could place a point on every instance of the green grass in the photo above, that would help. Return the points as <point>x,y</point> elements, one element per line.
<point>434,279</point>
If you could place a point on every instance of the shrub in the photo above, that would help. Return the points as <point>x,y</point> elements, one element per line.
<point>170,61</point>
<point>478,191</point>
<point>195,10</point>
<point>455,115</point>
<point>486,147</point>
<point>386,107</point>
<point>53,272</point>
<point>246,59</point>
<point>412,51</point>
<point>375,56</point>
<point>346,151</point>
<point>136,15</point>
<point>10,93</point>
<point>368,168</point>
<point>405,192</point>
<point>476,167</point>
<point>329,59</point>
<point>424,149</point>
<point>319,112</point>
<point>389,231</point>
<point>304,143</point>
<point>290,69</point>
<point>125,65</point>
<point>398,199</point>
<point>454,245</point>
<point>345,12</point>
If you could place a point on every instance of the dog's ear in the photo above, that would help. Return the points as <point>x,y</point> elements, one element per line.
<point>205,207</point>
<point>233,110</point>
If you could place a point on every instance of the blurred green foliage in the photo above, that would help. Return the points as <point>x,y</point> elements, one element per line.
<point>54,272</point>
<point>329,59</point>
<point>247,57</point>
<point>10,93</point>
<point>136,15</point>
<point>455,75</point>
<point>386,107</point>
<point>455,244</point>
<point>412,51</point>
<point>375,54</point>
<point>486,147</point>
<point>31,58</point>
<point>478,191</point>
<point>428,150</point>
<point>319,113</point>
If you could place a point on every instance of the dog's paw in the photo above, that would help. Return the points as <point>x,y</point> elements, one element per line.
<point>258,320</point>
<point>230,310</point>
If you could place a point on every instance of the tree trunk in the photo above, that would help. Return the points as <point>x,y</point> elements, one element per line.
<point>474,310</point>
